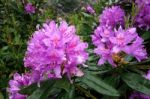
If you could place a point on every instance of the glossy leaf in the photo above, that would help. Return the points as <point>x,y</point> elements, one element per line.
<point>63,84</point>
<point>137,82</point>
<point>29,90</point>
<point>99,85</point>
<point>42,92</point>
<point>70,94</point>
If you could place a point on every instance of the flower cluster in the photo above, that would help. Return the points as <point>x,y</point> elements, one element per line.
<point>29,8</point>
<point>52,51</point>
<point>112,16</point>
<point>143,16</point>
<point>16,84</point>
<point>55,50</point>
<point>138,95</point>
<point>114,44</point>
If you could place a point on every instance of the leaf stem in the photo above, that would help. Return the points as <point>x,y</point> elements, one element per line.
<point>140,63</point>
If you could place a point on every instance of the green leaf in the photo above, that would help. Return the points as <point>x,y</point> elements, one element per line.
<point>70,94</point>
<point>63,84</point>
<point>112,80</point>
<point>109,97</point>
<point>42,92</point>
<point>36,94</point>
<point>140,63</point>
<point>146,35</point>
<point>29,90</point>
<point>137,82</point>
<point>98,85</point>
<point>48,87</point>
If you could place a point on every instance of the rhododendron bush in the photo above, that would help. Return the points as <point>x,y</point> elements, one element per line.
<point>75,49</point>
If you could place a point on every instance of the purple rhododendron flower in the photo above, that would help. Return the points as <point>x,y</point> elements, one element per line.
<point>16,84</point>
<point>55,50</point>
<point>29,8</point>
<point>138,95</point>
<point>142,2</point>
<point>142,18</point>
<point>101,41</point>
<point>111,43</point>
<point>112,16</point>
<point>147,76</point>
<point>90,9</point>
